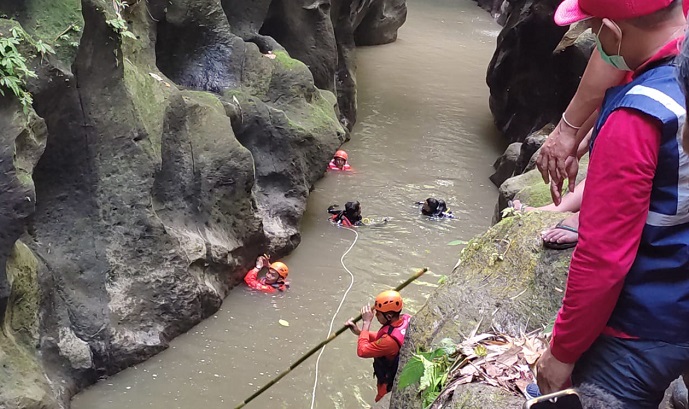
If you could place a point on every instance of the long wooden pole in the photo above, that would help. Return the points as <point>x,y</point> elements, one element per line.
<point>322,344</point>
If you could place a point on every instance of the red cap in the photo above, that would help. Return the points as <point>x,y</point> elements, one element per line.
<point>572,11</point>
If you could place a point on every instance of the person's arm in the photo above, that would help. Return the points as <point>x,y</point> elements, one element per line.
<point>251,279</point>
<point>563,141</point>
<point>366,348</point>
<point>612,218</point>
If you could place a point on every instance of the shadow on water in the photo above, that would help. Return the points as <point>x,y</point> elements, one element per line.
<point>424,130</point>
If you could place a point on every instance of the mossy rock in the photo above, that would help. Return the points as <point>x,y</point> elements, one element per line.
<point>55,22</point>
<point>21,317</point>
<point>530,189</point>
<point>506,281</point>
<point>22,381</point>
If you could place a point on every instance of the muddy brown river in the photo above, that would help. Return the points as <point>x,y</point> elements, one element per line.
<point>424,130</point>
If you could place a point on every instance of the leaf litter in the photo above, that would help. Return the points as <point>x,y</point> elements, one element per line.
<point>494,359</point>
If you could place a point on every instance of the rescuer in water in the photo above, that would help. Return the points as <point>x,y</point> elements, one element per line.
<point>384,346</point>
<point>339,162</point>
<point>275,279</point>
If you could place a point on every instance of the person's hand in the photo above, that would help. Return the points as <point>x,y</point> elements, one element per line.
<point>551,374</point>
<point>262,261</point>
<point>352,326</point>
<point>552,159</point>
<point>571,169</point>
<point>366,314</point>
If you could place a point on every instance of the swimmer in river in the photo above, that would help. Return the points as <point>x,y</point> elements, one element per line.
<point>350,216</point>
<point>435,208</point>
<point>339,162</point>
<point>275,279</point>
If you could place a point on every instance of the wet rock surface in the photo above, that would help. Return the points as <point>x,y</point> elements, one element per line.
<point>168,144</point>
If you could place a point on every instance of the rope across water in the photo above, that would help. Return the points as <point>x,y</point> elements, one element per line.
<point>339,307</point>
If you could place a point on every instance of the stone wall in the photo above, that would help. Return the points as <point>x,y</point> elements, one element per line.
<point>167,145</point>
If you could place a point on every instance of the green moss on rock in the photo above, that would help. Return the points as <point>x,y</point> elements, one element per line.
<point>288,62</point>
<point>22,382</point>
<point>149,96</point>
<point>506,280</point>
<point>22,309</point>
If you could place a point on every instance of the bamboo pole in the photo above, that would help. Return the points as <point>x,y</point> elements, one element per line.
<point>322,344</point>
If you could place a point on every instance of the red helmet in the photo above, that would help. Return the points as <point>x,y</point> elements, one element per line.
<point>341,154</point>
<point>281,268</point>
<point>388,301</point>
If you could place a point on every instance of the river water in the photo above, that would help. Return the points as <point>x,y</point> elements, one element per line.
<point>424,130</point>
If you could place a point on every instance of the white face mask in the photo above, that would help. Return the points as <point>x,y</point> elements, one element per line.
<point>616,61</point>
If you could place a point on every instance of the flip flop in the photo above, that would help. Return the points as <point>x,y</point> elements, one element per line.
<point>561,246</point>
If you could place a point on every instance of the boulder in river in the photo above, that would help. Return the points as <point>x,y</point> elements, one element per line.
<point>507,281</point>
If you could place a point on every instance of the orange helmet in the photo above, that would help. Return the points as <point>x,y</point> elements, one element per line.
<point>281,268</point>
<point>388,301</point>
<point>341,154</point>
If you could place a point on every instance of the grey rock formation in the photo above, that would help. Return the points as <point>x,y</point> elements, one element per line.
<point>512,294</point>
<point>506,164</point>
<point>321,33</point>
<point>531,78</point>
<point>527,154</point>
<point>171,159</point>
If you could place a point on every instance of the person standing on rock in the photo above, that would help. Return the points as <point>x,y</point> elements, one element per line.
<point>384,346</point>
<point>578,119</point>
<point>275,279</point>
<point>339,162</point>
<point>623,321</point>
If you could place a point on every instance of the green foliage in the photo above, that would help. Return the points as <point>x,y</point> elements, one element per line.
<point>509,211</point>
<point>43,48</point>
<point>457,243</point>
<point>429,370</point>
<point>13,69</point>
<point>118,23</point>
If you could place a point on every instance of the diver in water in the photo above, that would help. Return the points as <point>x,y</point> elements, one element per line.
<point>437,208</point>
<point>350,216</point>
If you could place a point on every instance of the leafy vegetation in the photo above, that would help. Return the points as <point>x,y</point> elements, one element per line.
<point>118,23</point>
<point>14,71</point>
<point>430,370</point>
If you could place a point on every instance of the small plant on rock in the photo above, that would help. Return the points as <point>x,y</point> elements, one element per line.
<point>429,370</point>
<point>13,69</point>
<point>118,23</point>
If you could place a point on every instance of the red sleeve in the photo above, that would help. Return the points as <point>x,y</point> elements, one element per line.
<point>251,279</point>
<point>385,346</point>
<point>613,213</point>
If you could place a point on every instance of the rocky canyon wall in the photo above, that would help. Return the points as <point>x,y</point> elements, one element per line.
<point>168,143</point>
<point>533,73</point>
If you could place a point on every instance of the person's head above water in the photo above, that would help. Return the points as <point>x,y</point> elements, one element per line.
<point>353,210</point>
<point>340,158</point>
<point>430,206</point>
<point>388,306</point>
<point>628,32</point>
<point>278,271</point>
